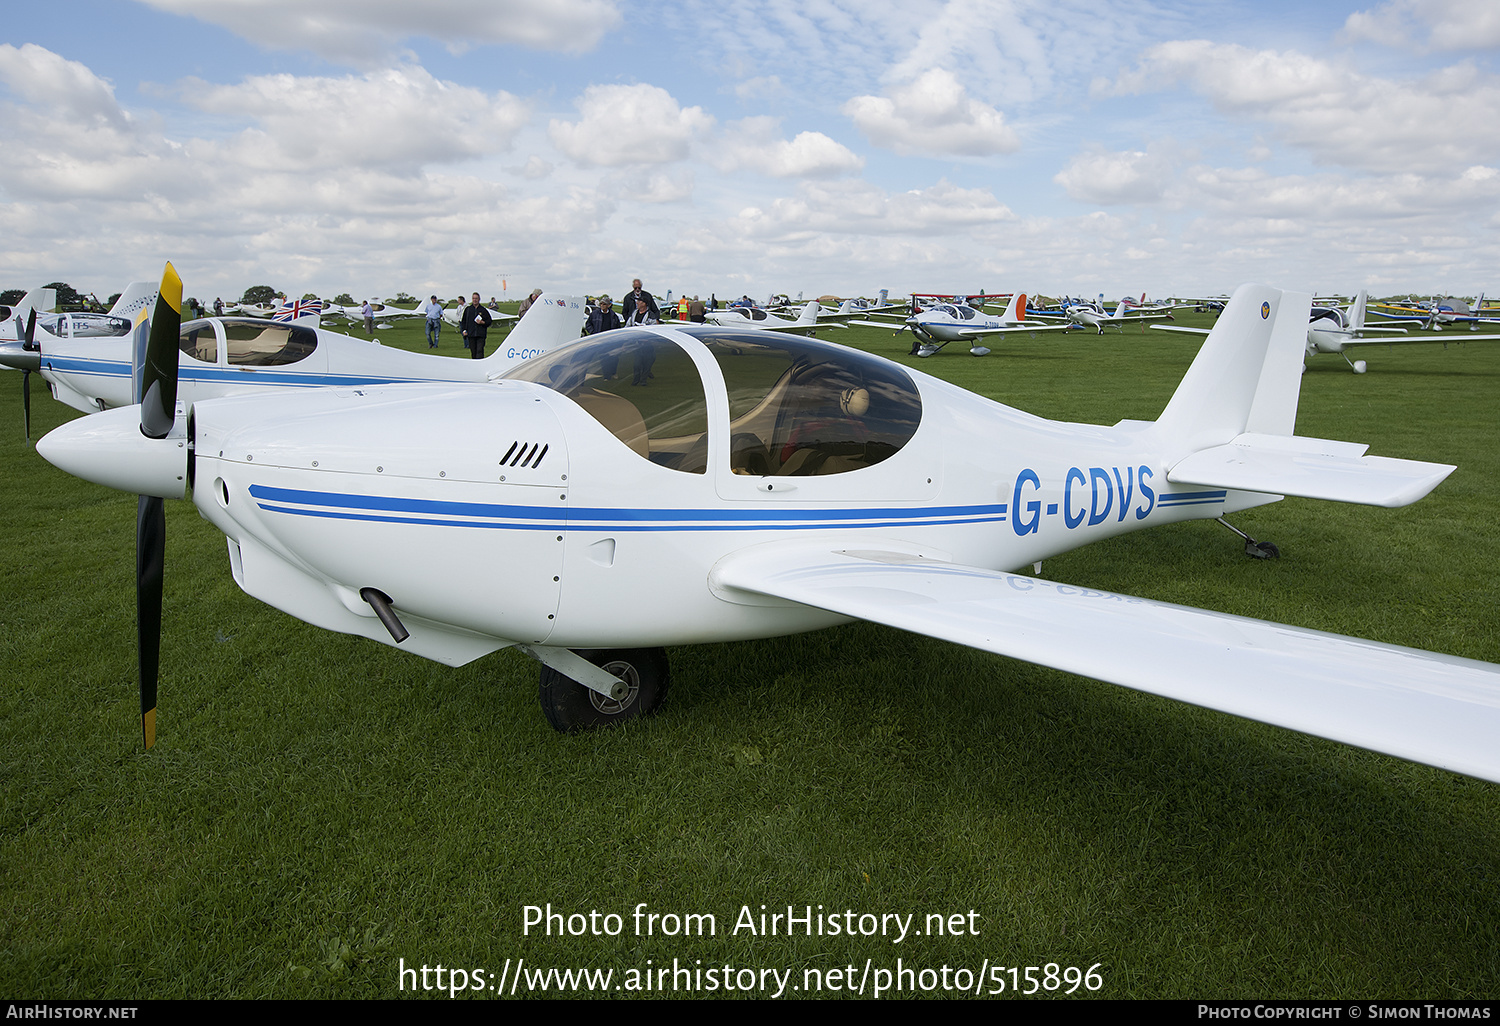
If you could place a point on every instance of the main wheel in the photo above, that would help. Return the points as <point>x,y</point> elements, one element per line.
<point>571,707</point>
<point>1262,550</point>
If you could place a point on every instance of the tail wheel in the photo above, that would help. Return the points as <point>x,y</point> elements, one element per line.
<point>570,706</point>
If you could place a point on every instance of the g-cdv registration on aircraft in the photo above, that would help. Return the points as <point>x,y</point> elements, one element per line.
<point>760,485</point>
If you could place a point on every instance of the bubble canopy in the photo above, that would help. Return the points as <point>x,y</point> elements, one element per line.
<point>797,407</point>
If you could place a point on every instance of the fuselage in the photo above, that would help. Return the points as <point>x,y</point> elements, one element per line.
<point>955,322</point>
<point>237,355</point>
<point>581,504</point>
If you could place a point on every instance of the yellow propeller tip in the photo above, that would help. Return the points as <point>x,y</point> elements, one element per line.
<point>171,287</point>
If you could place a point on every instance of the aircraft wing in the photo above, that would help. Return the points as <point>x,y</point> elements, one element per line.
<point>1431,337</point>
<point>1437,709</point>
<point>815,326</point>
<point>1016,329</point>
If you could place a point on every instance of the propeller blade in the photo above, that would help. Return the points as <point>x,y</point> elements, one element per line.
<point>158,365</point>
<point>27,343</point>
<point>150,559</point>
<point>157,383</point>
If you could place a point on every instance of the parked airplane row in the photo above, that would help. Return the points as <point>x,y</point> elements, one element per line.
<point>1331,329</point>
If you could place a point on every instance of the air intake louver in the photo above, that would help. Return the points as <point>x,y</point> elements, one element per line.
<point>524,454</point>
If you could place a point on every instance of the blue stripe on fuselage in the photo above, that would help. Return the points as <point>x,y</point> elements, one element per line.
<point>393,509</point>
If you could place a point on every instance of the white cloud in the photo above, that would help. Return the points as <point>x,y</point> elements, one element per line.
<point>1451,24</point>
<point>70,140</point>
<point>1334,199</point>
<point>1333,112</point>
<point>859,208</point>
<point>932,114</point>
<point>1116,177</point>
<point>100,191</point>
<point>402,117</point>
<point>634,124</point>
<point>534,168</point>
<point>363,33</point>
<point>755,144</point>
<point>643,185</point>
<point>69,88</point>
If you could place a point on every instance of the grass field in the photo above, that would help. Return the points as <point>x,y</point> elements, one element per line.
<point>320,809</point>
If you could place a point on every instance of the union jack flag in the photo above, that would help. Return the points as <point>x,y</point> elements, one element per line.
<point>291,309</point>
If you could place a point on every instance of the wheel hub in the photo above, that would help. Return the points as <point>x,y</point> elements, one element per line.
<point>625,694</point>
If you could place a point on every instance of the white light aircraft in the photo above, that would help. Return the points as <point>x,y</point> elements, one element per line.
<point>754,317</point>
<point>1332,330</point>
<point>22,352</point>
<point>1437,313</point>
<point>1092,315</point>
<point>860,307</point>
<point>383,313</point>
<point>234,355</point>
<point>138,295</point>
<point>941,323</point>
<point>756,485</point>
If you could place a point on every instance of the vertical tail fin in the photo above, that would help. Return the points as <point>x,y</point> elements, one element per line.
<point>1357,310</point>
<point>1247,376</point>
<point>1015,312</point>
<point>138,295</point>
<point>40,300</point>
<point>553,320</point>
<point>809,313</point>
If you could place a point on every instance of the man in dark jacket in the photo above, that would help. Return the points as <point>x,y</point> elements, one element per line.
<point>475,326</point>
<point>603,318</point>
<point>637,293</point>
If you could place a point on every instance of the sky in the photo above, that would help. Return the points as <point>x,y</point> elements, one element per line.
<point>797,146</point>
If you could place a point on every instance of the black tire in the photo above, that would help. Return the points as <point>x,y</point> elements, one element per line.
<point>571,707</point>
<point>1262,550</point>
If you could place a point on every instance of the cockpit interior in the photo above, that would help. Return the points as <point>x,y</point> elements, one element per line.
<point>797,407</point>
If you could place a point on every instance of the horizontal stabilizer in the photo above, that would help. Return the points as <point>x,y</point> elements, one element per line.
<point>1436,709</point>
<point>1313,468</point>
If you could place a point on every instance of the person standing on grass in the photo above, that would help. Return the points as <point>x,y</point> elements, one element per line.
<point>475,327</point>
<point>434,312</point>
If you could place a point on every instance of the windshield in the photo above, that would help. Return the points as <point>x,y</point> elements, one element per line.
<point>799,407</point>
<point>83,325</point>
<point>267,344</point>
<point>640,386</point>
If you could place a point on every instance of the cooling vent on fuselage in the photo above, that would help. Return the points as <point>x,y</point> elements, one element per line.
<point>524,454</point>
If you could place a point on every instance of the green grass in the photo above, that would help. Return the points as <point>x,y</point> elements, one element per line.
<point>319,807</point>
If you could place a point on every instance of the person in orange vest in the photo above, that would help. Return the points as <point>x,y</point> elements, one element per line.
<point>682,309</point>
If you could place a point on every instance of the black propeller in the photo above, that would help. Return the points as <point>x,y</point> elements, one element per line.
<point>154,374</point>
<point>27,343</point>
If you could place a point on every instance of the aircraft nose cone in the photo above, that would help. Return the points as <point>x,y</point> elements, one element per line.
<point>13,355</point>
<point>108,449</point>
